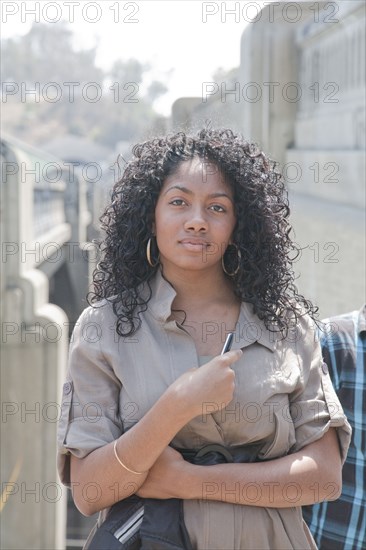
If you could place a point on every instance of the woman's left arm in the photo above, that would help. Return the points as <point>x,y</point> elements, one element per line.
<point>310,475</point>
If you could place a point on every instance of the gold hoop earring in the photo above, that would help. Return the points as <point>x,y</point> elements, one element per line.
<point>238,253</point>
<point>148,254</point>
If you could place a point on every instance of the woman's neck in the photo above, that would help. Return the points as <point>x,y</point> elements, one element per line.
<point>206,307</point>
<point>197,289</point>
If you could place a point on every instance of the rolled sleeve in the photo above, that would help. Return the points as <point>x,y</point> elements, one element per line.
<point>314,405</point>
<point>89,411</point>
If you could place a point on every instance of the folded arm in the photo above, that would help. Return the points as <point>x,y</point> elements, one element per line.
<point>310,475</point>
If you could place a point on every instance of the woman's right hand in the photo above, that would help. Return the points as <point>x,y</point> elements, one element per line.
<point>211,385</point>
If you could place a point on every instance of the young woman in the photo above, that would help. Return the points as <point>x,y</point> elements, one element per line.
<point>196,246</point>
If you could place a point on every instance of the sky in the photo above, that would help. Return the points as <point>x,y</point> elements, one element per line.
<point>184,41</point>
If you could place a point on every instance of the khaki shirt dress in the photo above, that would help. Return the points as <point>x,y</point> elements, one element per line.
<point>283,399</point>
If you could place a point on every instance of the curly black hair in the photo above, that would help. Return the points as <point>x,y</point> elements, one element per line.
<point>262,234</point>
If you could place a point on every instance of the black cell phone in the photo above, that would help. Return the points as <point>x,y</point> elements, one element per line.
<point>228,342</point>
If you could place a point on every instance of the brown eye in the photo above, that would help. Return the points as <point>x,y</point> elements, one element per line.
<point>177,202</point>
<point>218,208</point>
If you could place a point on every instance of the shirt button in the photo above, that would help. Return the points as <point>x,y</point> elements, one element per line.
<point>67,388</point>
<point>325,368</point>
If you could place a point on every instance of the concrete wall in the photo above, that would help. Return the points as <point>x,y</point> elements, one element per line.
<point>328,194</point>
<point>301,96</point>
<point>44,222</point>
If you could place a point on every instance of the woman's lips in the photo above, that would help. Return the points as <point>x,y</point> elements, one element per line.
<point>194,245</point>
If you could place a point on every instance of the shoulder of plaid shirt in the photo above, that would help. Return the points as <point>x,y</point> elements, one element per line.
<point>341,524</point>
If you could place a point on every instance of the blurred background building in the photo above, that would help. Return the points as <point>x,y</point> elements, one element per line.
<point>299,92</point>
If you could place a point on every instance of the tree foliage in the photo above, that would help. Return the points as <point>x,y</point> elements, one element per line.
<point>72,94</point>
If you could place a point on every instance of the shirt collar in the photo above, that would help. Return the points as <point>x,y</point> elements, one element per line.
<point>249,328</point>
<point>362,319</point>
<point>162,297</point>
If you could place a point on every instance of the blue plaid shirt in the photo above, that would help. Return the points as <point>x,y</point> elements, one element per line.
<point>341,524</point>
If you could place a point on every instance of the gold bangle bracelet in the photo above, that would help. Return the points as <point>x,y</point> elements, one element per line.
<point>121,463</point>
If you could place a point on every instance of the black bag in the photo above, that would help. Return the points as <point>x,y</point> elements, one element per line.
<point>121,527</point>
<point>137,523</point>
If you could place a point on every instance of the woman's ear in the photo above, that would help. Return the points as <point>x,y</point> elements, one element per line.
<point>153,228</point>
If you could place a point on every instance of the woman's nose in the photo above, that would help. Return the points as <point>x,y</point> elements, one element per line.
<point>196,221</point>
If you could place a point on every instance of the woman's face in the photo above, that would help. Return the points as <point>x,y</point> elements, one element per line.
<point>194,217</point>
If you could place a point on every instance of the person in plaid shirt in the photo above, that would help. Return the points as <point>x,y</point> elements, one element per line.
<point>341,524</point>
